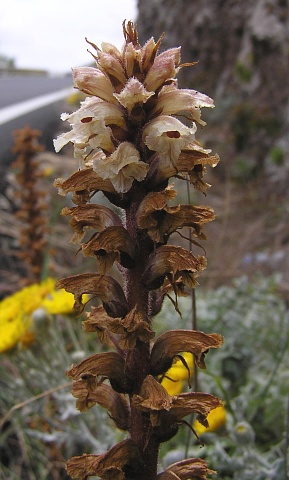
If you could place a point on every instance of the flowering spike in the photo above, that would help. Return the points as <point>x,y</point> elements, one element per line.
<point>130,141</point>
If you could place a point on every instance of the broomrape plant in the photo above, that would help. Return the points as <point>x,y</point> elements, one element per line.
<point>130,142</point>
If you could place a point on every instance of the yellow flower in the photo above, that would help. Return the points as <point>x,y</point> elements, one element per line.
<point>16,310</point>
<point>174,381</point>
<point>216,419</point>
<point>58,301</point>
<point>16,324</point>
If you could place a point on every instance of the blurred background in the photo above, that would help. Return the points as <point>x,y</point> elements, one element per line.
<point>242,54</point>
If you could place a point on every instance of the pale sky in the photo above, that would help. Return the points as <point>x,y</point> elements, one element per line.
<point>50,34</point>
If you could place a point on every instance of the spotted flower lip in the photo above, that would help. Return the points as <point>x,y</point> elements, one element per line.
<point>122,167</point>
<point>89,122</point>
<point>167,136</point>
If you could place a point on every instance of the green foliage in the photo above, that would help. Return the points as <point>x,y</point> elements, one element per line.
<point>277,156</point>
<point>250,372</point>
<point>242,72</point>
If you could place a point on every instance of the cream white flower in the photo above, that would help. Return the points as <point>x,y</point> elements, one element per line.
<point>167,136</point>
<point>122,167</point>
<point>93,82</point>
<point>134,93</point>
<point>89,125</point>
<point>172,100</point>
<point>165,66</point>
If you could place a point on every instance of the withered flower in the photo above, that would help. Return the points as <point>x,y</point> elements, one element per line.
<point>112,465</point>
<point>102,286</point>
<point>173,263</point>
<point>88,393</point>
<point>161,221</point>
<point>191,468</point>
<point>167,412</point>
<point>113,244</point>
<point>89,215</point>
<point>171,343</point>
<point>130,141</point>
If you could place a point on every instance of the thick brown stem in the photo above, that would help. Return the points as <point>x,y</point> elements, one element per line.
<point>138,361</point>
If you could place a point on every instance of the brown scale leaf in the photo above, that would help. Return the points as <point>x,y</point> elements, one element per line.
<point>111,465</point>
<point>107,365</point>
<point>169,344</point>
<point>88,394</point>
<point>175,264</point>
<point>113,244</point>
<point>102,286</point>
<point>89,215</point>
<point>188,469</point>
<point>161,221</point>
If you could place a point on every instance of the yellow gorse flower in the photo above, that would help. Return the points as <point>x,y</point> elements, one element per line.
<point>216,419</point>
<point>177,376</point>
<point>16,311</point>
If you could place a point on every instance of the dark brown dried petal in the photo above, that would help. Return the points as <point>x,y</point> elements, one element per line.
<point>112,465</point>
<point>102,286</point>
<point>152,396</point>
<point>98,321</point>
<point>82,183</point>
<point>173,342</point>
<point>173,263</point>
<point>110,245</point>
<point>160,220</point>
<point>131,328</point>
<point>102,394</point>
<point>89,215</point>
<point>107,365</point>
<point>188,469</point>
<point>136,327</point>
<point>194,402</point>
<point>191,162</point>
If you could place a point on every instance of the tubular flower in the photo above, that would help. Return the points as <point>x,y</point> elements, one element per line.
<point>167,136</point>
<point>130,142</point>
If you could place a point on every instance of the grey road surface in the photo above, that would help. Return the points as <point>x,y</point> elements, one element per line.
<point>17,92</point>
